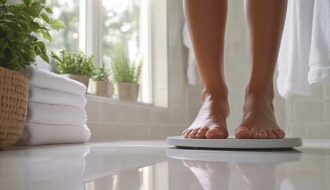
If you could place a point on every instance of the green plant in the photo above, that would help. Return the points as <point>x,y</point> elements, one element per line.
<point>74,63</point>
<point>123,70</point>
<point>22,28</point>
<point>100,74</point>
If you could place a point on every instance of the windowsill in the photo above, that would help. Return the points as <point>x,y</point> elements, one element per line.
<point>108,100</point>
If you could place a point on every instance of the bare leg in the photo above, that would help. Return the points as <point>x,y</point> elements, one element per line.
<point>265,21</point>
<point>206,21</point>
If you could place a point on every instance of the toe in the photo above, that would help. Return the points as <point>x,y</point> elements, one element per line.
<point>271,134</point>
<point>184,132</point>
<point>193,133</point>
<point>263,134</point>
<point>187,133</point>
<point>216,133</point>
<point>279,133</point>
<point>201,132</point>
<point>255,133</point>
<point>243,133</point>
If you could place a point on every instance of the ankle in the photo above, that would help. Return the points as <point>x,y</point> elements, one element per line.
<point>266,91</point>
<point>220,94</point>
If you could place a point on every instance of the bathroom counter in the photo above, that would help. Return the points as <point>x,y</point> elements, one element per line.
<point>152,165</point>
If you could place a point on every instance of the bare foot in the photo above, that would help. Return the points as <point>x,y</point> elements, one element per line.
<point>210,122</point>
<point>259,120</point>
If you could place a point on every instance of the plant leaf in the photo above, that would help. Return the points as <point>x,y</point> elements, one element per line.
<point>27,3</point>
<point>49,10</point>
<point>57,25</point>
<point>45,34</point>
<point>43,51</point>
<point>45,17</point>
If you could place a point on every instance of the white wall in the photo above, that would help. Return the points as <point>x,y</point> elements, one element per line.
<point>309,117</point>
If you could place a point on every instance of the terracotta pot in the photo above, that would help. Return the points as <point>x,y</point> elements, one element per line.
<point>80,78</point>
<point>100,88</point>
<point>14,91</point>
<point>128,91</point>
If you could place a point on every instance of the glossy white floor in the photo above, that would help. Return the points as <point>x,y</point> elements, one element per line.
<point>151,165</point>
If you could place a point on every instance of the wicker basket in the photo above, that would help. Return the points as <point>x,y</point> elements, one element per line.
<point>14,90</point>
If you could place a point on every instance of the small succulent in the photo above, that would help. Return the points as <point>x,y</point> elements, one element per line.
<point>100,74</point>
<point>74,63</point>
<point>123,70</point>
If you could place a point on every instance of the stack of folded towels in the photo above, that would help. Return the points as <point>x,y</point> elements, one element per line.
<point>56,111</point>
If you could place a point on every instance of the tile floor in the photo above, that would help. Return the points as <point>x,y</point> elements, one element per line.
<point>151,165</point>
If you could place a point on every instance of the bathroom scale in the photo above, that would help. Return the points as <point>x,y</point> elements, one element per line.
<point>236,156</point>
<point>233,143</point>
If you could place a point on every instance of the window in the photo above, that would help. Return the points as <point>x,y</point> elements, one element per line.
<point>125,23</point>
<point>120,26</point>
<point>96,27</point>
<point>68,12</point>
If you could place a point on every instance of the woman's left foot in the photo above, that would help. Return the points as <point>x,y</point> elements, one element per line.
<point>259,120</point>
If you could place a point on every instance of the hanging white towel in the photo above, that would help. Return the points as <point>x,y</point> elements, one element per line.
<point>55,114</point>
<point>192,66</point>
<point>45,79</point>
<point>304,56</point>
<point>42,95</point>
<point>320,43</point>
<point>40,134</point>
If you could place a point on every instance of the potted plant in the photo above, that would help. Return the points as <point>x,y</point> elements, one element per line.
<point>22,28</point>
<point>76,66</point>
<point>102,86</point>
<point>126,75</point>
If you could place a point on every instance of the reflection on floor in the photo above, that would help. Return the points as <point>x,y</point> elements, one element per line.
<point>151,165</point>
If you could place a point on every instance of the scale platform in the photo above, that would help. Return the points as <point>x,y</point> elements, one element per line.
<point>232,156</point>
<point>233,143</point>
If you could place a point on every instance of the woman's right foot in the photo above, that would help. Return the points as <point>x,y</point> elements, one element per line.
<point>259,120</point>
<point>210,122</point>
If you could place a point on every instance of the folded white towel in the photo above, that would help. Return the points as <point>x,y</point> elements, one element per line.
<point>55,114</point>
<point>45,79</point>
<point>39,134</point>
<point>42,95</point>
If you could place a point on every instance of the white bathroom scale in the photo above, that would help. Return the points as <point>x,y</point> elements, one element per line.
<point>233,143</point>
<point>232,156</point>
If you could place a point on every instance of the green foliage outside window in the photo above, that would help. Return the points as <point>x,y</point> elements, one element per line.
<point>68,12</point>
<point>120,26</point>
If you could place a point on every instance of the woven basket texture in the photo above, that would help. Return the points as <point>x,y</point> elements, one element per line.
<point>14,90</point>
